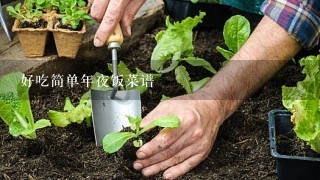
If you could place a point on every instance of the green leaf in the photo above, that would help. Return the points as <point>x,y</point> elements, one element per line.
<point>68,105</point>
<point>165,121</point>
<point>59,119</point>
<point>194,61</point>
<point>225,53</point>
<point>17,7</point>
<point>199,84</point>
<point>183,78</point>
<point>135,122</point>
<point>81,3</point>
<point>114,141</point>
<point>42,124</point>
<point>236,32</point>
<point>15,104</point>
<point>174,43</point>
<point>303,101</point>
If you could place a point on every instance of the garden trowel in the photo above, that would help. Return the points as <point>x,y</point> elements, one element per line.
<point>111,108</point>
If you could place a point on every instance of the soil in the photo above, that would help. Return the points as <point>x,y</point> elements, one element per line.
<point>62,26</point>
<point>36,25</point>
<point>241,150</point>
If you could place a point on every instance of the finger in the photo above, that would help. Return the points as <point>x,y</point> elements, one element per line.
<point>98,9</point>
<point>174,160</point>
<point>163,155</point>
<point>91,1</point>
<point>110,20</point>
<point>129,14</point>
<point>162,141</point>
<point>184,167</point>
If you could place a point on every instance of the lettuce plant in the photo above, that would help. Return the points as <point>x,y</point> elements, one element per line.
<point>15,109</point>
<point>303,101</point>
<point>114,141</point>
<point>175,44</point>
<point>24,14</point>
<point>236,32</point>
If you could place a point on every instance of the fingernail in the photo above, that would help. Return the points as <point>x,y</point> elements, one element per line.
<point>167,176</point>
<point>147,173</point>
<point>137,166</point>
<point>129,30</point>
<point>141,155</point>
<point>97,42</point>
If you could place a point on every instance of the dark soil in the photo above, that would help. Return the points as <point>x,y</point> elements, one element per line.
<point>68,26</point>
<point>291,145</point>
<point>36,25</point>
<point>241,150</point>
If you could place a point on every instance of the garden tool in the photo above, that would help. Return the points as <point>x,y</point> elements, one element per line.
<point>3,23</point>
<point>110,109</point>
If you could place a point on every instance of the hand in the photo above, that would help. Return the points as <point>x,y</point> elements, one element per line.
<point>179,150</point>
<point>109,13</point>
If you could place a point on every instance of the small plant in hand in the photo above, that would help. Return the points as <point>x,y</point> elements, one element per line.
<point>114,141</point>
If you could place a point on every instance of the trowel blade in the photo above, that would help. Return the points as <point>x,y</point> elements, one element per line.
<point>110,115</point>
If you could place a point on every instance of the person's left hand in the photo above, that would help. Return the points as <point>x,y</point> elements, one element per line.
<point>179,150</point>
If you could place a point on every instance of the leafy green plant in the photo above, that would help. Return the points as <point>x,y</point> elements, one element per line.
<point>183,78</point>
<point>24,14</point>
<point>114,141</point>
<point>175,44</point>
<point>15,109</point>
<point>303,101</point>
<point>236,32</point>
<point>83,111</point>
<point>74,13</point>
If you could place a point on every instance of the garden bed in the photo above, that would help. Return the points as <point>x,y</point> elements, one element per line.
<point>241,149</point>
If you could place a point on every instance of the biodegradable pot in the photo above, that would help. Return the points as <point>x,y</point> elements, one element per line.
<point>33,41</point>
<point>288,166</point>
<point>216,14</point>
<point>67,41</point>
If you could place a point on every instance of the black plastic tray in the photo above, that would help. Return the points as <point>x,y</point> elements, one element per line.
<point>289,167</point>
<point>217,14</point>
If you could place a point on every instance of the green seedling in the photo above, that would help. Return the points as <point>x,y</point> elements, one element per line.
<point>24,14</point>
<point>236,32</point>
<point>15,109</point>
<point>74,14</point>
<point>114,141</point>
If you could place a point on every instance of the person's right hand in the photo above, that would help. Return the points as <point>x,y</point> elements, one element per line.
<point>109,13</point>
<point>177,151</point>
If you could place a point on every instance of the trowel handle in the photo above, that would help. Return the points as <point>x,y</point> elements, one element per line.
<point>116,36</point>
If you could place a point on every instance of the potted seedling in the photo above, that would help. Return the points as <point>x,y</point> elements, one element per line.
<point>69,27</point>
<point>31,26</point>
<point>296,144</point>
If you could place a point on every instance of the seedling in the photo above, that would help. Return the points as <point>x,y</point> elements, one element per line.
<point>24,14</point>
<point>74,13</point>
<point>114,141</point>
<point>236,32</point>
<point>15,109</point>
<point>175,44</point>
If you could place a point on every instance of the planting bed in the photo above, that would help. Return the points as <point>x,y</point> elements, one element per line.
<point>241,149</point>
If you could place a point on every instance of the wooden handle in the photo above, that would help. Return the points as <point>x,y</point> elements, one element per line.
<point>116,36</point>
